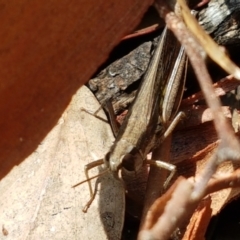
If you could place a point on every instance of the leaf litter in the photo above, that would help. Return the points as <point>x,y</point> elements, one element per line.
<point>37,198</point>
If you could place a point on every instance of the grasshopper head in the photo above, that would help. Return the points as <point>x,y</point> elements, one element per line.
<point>112,162</point>
<point>129,158</point>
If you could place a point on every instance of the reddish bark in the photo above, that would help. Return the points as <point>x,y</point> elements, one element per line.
<point>48,50</point>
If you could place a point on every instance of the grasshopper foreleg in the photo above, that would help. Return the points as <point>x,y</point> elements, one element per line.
<point>85,208</point>
<point>168,166</point>
<point>86,170</point>
<point>161,164</point>
<point>88,179</point>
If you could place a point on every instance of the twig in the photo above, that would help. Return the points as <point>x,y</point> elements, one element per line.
<point>181,201</point>
<point>221,87</point>
<point>229,148</point>
<point>223,181</point>
<point>171,216</point>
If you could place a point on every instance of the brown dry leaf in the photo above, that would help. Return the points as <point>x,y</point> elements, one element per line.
<point>221,198</point>
<point>199,221</point>
<point>194,152</point>
<point>143,31</point>
<point>222,87</point>
<point>37,198</point>
<point>190,153</point>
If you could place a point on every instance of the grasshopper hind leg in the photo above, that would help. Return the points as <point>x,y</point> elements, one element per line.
<point>108,107</point>
<point>88,179</point>
<point>180,116</point>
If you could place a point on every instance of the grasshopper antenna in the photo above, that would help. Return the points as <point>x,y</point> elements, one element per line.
<point>91,178</point>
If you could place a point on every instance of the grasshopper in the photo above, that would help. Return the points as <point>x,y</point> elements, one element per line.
<point>149,119</point>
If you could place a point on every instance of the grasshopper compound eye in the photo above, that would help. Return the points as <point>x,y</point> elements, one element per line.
<point>132,161</point>
<point>107,160</point>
